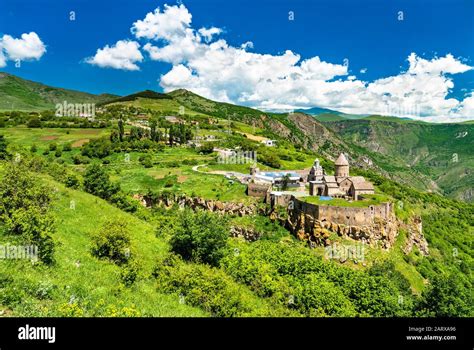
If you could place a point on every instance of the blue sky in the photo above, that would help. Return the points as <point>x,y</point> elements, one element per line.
<point>367,34</point>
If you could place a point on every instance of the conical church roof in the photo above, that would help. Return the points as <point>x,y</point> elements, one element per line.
<point>341,160</point>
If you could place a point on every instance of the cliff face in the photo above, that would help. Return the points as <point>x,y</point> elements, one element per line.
<point>376,226</point>
<point>381,233</point>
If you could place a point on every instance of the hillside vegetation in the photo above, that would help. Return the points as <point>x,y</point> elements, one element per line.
<point>435,157</point>
<point>25,95</point>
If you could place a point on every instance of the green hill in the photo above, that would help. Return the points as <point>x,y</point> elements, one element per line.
<point>25,95</point>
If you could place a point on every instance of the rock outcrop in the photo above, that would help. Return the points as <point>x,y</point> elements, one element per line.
<point>194,203</point>
<point>247,233</point>
<point>416,237</point>
<point>382,233</point>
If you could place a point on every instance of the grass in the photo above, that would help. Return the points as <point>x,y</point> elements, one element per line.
<point>42,137</point>
<point>374,199</point>
<point>94,284</point>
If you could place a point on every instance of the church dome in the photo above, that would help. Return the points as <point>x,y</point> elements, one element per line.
<point>341,160</point>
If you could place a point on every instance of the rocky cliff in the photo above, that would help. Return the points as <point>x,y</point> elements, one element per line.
<point>194,203</point>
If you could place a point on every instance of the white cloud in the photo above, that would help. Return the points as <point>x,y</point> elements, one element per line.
<point>123,55</point>
<point>28,47</point>
<point>165,25</point>
<point>208,33</point>
<point>3,59</point>
<point>247,45</point>
<point>447,64</point>
<point>215,69</point>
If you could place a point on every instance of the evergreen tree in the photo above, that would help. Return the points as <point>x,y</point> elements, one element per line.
<point>121,129</point>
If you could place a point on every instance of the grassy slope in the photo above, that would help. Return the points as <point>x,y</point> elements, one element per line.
<point>27,95</point>
<point>94,280</point>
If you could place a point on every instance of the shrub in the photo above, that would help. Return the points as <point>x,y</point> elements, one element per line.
<point>25,210</point>
<point>146,161</point>
<point>206,148</point>
<point>210,289</point>
<point>200,237</point>
<point>112,242</point>
<point>34,122</point>
<point>78,159</point>
<point>447,296</point>
<point>3,147</point>
<point>72,181</point>
<point>96,182</point>
<point>129,272</point>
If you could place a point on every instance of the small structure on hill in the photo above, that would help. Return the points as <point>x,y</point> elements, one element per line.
<point>269,143</point>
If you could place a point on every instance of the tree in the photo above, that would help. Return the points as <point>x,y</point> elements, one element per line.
<point>121,129</point>
<point>97,182</point>
<point>171,135</point>
<point>447,296</point>
<point>200,237</point>
<point>3,147</point>
<point>153,133</point>
<point>34,122</point>
<point>284,182</point>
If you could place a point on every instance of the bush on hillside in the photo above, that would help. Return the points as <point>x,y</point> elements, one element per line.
<point>200,237</point>
<point>112,242</point>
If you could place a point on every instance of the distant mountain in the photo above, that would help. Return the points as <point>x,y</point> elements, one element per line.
<point>317,111</point>
<point>429,156</point>
<point>25,95</point>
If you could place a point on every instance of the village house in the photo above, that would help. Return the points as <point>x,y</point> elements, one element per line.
<point>275,178</point>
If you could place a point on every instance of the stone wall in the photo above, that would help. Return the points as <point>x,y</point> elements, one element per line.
<point>374,225</point>
<point>345,215</point>
<point>257,190</point>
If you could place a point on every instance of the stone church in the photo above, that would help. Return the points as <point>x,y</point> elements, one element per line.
<point>339,185</point>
